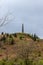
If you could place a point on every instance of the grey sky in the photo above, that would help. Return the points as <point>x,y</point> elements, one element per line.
<point>29,12</point>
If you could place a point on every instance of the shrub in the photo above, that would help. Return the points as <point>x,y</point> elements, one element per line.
<point>21,38</point>
<point>15,35</point>
<point>33,36</point>
<point>2,33</point>
<point>28,62</point>
<point>7,35</point>
<point>12,42</point>
<point>3,38</point>
<point>10,36</point>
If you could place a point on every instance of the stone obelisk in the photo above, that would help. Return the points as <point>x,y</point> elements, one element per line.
<point>22,28</point>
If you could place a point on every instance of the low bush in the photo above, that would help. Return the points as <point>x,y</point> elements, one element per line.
<point>15,35</point>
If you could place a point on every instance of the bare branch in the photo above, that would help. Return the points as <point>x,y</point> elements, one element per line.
<point>8,18</point>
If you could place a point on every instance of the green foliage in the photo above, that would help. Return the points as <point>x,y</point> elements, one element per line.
<point>21,62</point>
<point>28,62</point>
<point>7,34</point>
<point>33,36</point>
<point>3,38</point>
<point>10,41</point>
<point>6,62</point>
<point>40,62</point>
<point>10,36</point>
<point>15,35</point>
<point>21,38</point>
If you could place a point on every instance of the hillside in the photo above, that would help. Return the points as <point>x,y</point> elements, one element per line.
<point>17,45</point>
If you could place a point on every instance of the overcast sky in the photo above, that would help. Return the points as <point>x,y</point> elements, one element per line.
<point>28,12</point>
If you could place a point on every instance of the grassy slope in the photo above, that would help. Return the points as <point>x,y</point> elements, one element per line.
<point>10,50</point>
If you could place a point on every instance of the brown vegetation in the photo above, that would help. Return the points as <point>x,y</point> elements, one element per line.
<point>20,45</point>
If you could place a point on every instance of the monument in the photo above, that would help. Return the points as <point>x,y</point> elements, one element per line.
<point>22,28</point>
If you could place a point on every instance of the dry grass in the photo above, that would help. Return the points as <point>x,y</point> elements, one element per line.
<point>36,47</point>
